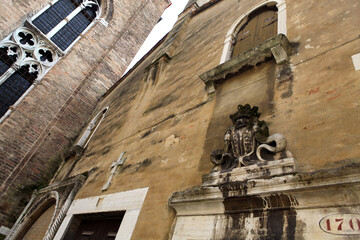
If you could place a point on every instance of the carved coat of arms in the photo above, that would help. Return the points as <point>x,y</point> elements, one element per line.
<point>248,141</point>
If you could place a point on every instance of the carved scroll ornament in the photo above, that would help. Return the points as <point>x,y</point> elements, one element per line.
<point>248,142</point>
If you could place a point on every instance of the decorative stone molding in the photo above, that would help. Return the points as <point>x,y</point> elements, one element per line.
<point>278,47</point>
<point>271,201</point>
<point>30,49</point>
<point>62,194</point>
<point>257,171</point>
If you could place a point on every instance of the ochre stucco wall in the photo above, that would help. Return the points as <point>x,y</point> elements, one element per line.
<point>315,108</point>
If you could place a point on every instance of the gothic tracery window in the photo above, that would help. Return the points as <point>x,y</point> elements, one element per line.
<point>64,21</point>
<point>26,56</point>
<point>8,55</point>
<point>17,84</point>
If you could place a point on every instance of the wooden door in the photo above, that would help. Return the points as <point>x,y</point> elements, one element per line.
<point>260,26</point>
<point>267,25</point>
<point>245,39</point>
<point>99,229</point>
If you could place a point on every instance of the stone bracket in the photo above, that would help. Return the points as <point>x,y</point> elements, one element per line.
<point>278,47</point>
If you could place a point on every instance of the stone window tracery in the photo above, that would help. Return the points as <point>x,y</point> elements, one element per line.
<point>33,49</point>
<point>64,21</point>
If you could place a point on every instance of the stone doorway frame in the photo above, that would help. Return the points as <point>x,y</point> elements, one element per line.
<point>61,193</point>
<point>129,201</point>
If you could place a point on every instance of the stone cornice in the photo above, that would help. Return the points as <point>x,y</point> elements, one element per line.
<point>279,47</point>
<point>323,186</point>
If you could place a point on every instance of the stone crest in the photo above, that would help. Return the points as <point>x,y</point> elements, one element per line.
<point>248,142</point>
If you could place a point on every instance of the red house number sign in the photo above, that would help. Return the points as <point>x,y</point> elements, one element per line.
<point>341,224</point>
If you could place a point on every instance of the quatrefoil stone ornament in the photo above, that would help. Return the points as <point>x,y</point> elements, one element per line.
<point>46,55</point>
<point>28,54</point>
<point>26,38</point>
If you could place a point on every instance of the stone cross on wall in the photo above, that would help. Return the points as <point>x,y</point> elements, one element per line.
<point>114,166</point>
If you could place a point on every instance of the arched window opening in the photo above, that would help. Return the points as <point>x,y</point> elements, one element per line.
<point>71,31</point>
<point>245,33</point>
<point>54,15</point>
<point>64,21</point>
<point>259,26</point>
<point>37,220</point>
<point>38,229</point>
<point>17,84</point>
<point>91,129</point>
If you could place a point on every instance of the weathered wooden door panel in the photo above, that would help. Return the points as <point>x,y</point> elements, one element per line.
<point>267,25</point>
<point>245,39</point>
<point>261,25</point>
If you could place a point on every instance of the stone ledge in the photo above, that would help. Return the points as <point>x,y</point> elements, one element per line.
<point>279,47</point>
<point>319,194</point>
<point>319,189</point>
<point>262,170</point>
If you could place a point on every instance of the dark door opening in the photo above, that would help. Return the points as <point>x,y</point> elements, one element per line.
<point>97,226</point>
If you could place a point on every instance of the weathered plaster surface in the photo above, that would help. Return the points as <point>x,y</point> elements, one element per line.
<point>145,116</point>
<point>279,204</point>
<point>170,125</point>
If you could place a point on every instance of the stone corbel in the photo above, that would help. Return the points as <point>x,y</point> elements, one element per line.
<point>156,67</point>
<point>76,151</point>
